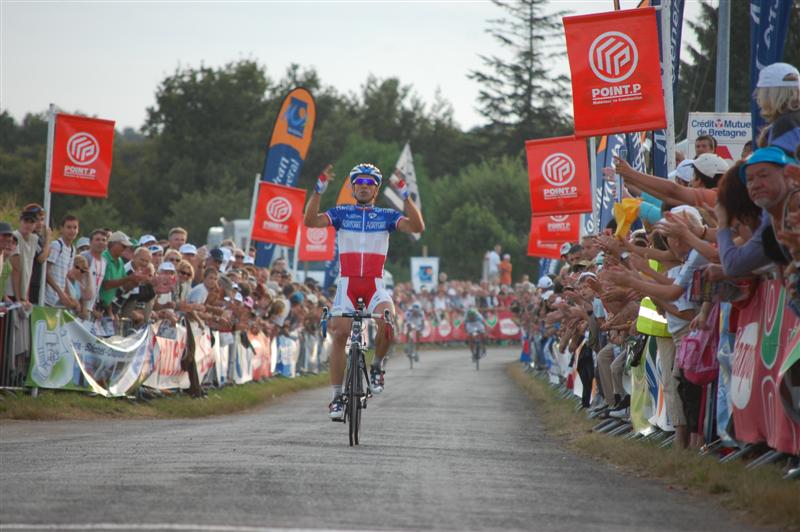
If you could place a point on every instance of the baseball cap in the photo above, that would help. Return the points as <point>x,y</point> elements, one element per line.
<point>146,239</point>
<point>689,211</point>
<point>216,254</point>
<point>122,238</point>
<point>155,248</point>
<point>188,249</point>
<point>683,171</point>
<point>586,275</point>
<point>710,164</point>
<point>544,282</point>
<point>5,228</point>
<point>565,247</point>
<point>778,75</point>
<point>249,260</point>
<point>166,266</point>
<point>82,241</point>
<point>772,154</point>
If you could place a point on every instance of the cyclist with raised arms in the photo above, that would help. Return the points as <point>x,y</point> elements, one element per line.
<point>363,237</point>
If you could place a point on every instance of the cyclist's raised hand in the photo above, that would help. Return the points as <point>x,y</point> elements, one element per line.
<point>324,179</point>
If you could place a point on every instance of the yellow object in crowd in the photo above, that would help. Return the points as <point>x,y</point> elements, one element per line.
<point>625,212</point>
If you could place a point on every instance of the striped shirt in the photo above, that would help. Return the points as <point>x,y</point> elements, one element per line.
<point>59,263</point>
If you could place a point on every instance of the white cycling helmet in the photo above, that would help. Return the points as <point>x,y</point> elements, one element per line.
<point>368,170</point>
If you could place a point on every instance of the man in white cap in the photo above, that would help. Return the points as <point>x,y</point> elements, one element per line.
<point>115,276</point>
<point>146,240</point>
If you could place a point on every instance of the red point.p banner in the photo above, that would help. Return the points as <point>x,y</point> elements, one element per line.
<point>279,214</point>
<point>82,154</point>
<point>558,173</point>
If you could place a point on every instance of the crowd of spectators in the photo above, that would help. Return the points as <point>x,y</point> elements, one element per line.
<point>705,236</point>
<point>115,284</point>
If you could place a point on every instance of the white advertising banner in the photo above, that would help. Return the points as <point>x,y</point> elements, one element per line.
<point>730,130</point>
<point>424,273</point>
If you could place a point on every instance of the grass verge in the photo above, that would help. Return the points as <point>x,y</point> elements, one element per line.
<point>761,495</point>
<point>55,405</point>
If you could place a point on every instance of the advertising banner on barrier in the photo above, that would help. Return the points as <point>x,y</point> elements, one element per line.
<point>64,355</point>
<point>279,214</point>
<point>82,153</point>
<point>262,366</point>
<point>165,357</point>
<point>424,273</point>
<point>537,248</point>
<point>557,229</point>
<point>317,243</point>
<point>558,175</point>
<point>730,130</point>
<point>204,355</point>
<point>288,145</point>
<point>616,72</point>
<point>764,400</point>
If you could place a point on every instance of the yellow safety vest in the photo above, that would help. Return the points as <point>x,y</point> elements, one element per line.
<point>650,322</point>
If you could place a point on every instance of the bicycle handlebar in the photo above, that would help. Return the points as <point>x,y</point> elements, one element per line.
<point>386,316</point>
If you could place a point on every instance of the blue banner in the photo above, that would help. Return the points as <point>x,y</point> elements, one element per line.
<point>769,23</point>
<point>288,146</point>
<point>675,29</point>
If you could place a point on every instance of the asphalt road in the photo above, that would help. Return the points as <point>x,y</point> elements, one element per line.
<point>444,447</point>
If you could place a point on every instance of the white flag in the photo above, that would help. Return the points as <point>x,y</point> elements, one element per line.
<point>405,167</point>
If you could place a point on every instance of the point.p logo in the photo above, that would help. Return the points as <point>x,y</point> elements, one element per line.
<point>613,56</point>
<point>279,209</point>
<point>83,149</point>
<point>558,169</point>
<point>317,235</point>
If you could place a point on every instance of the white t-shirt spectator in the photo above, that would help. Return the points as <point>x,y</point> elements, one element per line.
<point>494,262</point>
<point>97,271</point>
<point>198,295</point>
<point>26,249</point>
<point>59,262</point>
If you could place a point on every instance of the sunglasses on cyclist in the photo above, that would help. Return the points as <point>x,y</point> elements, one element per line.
<point>365,181</point>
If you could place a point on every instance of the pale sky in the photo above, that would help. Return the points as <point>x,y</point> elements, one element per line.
<point>106,58</point>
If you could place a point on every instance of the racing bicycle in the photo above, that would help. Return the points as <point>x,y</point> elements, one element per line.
<point>411,346</point>
<point>477,348</point>
<point>356,391</point>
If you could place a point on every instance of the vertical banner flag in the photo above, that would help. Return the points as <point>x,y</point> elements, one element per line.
<point>288,146</point>
<point>317,243</point>
<point>557,228</point>
<point>616,79</point>
<point>558,174</point>
<point>537,248</point>
<point>279,214</point>
<point>405,167</point>
<point>769,24</point>
<point>675,31</point>
<point>82,151</point>
<point>424,273</point>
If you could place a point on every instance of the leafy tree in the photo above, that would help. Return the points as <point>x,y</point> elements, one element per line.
<point>520,96</point>
<point>697,74</point>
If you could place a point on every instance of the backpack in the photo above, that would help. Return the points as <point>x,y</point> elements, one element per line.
<point>697,354</point>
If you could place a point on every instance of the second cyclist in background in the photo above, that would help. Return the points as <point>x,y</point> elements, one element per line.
<point>414,320</point>
<point>475,324</point>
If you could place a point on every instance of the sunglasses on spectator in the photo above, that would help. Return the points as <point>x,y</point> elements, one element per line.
<point>239,256</point>
<point>81,269</point>
<point>174,259</point>
<point>365,181</point>
<point>184,272</point>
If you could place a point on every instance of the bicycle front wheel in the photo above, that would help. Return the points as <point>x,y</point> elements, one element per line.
<point>354,396</point>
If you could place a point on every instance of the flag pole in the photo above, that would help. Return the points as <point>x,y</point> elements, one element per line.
<point>666,80</point>
<point>296,253</point>
<point>596,205</point>
<point>253,203</point>
<point>48,173</point>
